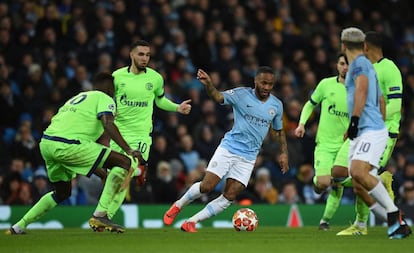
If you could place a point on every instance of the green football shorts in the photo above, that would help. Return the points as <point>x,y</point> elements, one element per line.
<point>327,157</point>
<point>65,160</point>
<point>142,144</point>
<point>388,151</point>
<point>342,156</point>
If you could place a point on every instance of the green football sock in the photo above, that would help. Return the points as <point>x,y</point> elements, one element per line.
<point>116,203</point>
<point>347,182</point>
<point>119,197</point>
<point>38,210</point>
<point>111,189</point>
<point>362,211</point>
<point>332,203</point>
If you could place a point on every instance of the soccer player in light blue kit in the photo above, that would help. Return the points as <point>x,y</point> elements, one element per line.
<point>367,132</point>
<point>256,112</point>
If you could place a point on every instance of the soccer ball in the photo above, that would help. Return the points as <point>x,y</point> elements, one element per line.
<point>245,219</point>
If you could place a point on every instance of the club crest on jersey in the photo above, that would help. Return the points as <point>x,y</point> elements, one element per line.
<point>111,107</point>
<point>149,86</point>
<point>272,112</point>
<point>230,92</point>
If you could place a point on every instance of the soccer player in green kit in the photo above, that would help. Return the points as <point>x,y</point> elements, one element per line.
<point>69,147</point>
<point>390,83</point>
<point>331,94</point>
<point>137,87</point>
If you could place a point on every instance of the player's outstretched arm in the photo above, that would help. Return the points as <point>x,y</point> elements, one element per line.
<point>304,116</point>
<point>279,137</point>
<point>112,130</point>
<point>184,107</point>
<point>211,90</point>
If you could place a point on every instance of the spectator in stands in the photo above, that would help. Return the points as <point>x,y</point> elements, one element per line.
<point>164,186</point>
<point>40,184</point>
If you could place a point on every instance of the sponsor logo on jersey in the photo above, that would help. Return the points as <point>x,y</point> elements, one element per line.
<point>123,100</point>
<point>254,120</point>
<point>333,111</point>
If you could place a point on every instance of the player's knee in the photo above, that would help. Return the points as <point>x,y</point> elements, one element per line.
<point>62,194</point>
<point>358,189</point>
<point>230,196</point>
<point>357,175</point>
<point>206,187</point>
<point>321,183</point>
<point>339,172</point>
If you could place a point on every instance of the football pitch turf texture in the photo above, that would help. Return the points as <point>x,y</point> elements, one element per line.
<point>264,239</point>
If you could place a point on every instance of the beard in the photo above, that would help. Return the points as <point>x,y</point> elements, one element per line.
<point>139,67</point>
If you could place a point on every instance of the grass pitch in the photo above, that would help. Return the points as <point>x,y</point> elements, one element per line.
<point>264,239</point>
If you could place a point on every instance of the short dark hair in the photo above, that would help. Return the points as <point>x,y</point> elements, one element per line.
<point>341,55</point>
<point>137,43</point>
<point>265,69</point>
<point>102,77</point>
<point>374,39</point>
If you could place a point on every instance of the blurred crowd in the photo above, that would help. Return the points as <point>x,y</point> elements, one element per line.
<point>50,50</point>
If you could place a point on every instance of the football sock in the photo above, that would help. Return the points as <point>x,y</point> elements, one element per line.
<point>332,203</point>
<point>362,212</point>
<point>213,208</point>
<point>116,203</point>
<point>112,187</point>
<point>380,194</point>
<point>347,182</point>
<point>44,204</point>
<point>379,211</point>
<point>191,194</point>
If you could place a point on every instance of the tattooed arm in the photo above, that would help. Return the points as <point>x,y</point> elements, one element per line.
<point>279,137</point>
<point>211,90</point>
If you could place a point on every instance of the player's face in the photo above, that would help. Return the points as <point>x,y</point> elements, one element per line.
<point>342,66</point>
<point>140,57</point>
<point>263,85</point>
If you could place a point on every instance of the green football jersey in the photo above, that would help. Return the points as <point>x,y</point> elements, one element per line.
<point>79,117</point>
<point>334,120</point>
<point>390,82</point>
<point>135,94</point>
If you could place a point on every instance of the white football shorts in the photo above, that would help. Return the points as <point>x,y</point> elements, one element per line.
<point>223,163</point>
<point>369,147</point>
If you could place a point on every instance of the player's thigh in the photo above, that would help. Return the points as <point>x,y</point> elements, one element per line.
<point>68,160</point>
<point>388,151</point>
<point>341,158</point>
<point>220,162</point>
<point>324,160</point>
<point>369,147</point>
<point>232,188</point>
<point>241,170</point>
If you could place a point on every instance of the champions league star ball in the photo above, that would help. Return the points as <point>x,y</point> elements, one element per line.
<point>245,219</point>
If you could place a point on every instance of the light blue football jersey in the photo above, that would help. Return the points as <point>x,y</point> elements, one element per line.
<point>252,120</point>
<point>371,118</point>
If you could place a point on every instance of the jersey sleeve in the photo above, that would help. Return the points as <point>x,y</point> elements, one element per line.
<point>318,94</point>
<point>392,82</point>
<point>393,89</point>
<point>106,105</point>
<point>277,123</point>
<point>159,91</point>
<point>230,96</point>
<point>306,112</point>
